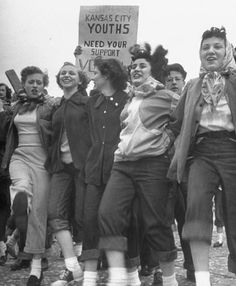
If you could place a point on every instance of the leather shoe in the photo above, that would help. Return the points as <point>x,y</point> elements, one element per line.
<point>218,244</point>
<point>19,264</point>
<point>34,281</point>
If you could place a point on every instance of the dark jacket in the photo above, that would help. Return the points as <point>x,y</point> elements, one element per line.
<point>72,115</point>
<point>44,112</point>
<point>186,120</point>
<point>104,124</point>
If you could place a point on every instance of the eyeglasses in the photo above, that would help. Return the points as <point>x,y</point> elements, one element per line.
<point>172,79</point>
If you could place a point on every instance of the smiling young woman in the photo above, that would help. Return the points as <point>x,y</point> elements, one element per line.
<point>67,154</point>
<point>206,149</point>
<point>139,172</point>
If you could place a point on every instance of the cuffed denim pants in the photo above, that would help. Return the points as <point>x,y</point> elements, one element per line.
<point>66,199</point>
<point>213,164</point>
<point>144,179</point>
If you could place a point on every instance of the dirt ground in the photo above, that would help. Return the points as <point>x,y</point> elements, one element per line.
<point>218,268</point>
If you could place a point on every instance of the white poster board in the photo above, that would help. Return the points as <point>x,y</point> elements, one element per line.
<point>107,32</point>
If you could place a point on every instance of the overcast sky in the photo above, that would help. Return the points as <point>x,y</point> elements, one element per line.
<point>45,32</point>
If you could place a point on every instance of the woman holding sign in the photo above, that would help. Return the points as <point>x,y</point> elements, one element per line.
<point>139,171</point>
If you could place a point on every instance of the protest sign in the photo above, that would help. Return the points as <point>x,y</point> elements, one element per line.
<point>107,32</point>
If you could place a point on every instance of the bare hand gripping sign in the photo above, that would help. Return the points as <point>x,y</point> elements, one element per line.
<point>107,32</point>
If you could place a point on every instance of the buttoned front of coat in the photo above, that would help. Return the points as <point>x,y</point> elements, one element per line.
<point>104,125</point>
<point>73,116</point>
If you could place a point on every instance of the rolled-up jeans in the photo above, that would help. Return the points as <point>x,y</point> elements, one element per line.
<point>66,198</point>
<point>146,180</point>
<point>213,164</point>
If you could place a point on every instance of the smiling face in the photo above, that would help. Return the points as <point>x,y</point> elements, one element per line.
<point>34,85</point>
<point>69,77</point>
<point>212,53</point>
<point>140,71</point>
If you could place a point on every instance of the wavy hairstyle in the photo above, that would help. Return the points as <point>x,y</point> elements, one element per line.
<point>157,59</point>
<point>214,32</point>
<point>82,75</point>
<point>114,70</point>
<point>33,70</point>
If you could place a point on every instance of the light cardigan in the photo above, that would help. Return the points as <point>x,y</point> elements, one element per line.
<point>186,117</point>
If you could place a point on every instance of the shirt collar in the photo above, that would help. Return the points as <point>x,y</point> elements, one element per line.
<point>115,99</point>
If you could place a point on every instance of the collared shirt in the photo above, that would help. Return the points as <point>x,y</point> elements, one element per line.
<point>218,118</point>
<point>104,126</point>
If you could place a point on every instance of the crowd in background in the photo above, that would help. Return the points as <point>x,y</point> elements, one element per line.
<point>108,175</point>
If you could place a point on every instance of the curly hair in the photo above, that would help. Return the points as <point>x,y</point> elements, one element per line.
<point>214,32</point>
<point>157,59</point>
<point>114,70</point>
<point>82,75</point>
<point>8,91</point>
<point>33,70</point>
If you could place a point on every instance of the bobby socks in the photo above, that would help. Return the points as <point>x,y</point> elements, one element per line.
<point>90,278</point>
<point>36,267</point>
<point>169,280</point>
<point>72,264</point>
<point>133,278</point>
<point>202,278</point>
<point>117,275</point>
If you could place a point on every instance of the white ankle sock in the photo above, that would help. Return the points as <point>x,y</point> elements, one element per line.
<point>133,278</point>
<point>117,275</point>
<point>36,267</point>
<point>90,278</point>
<point>72,264</point>
<point>202,278</point>
<point>169,280</point>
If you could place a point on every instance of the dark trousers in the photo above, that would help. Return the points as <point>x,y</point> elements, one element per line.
<point>93,196</point>
<point>66,199</point>
<point>213,164</point>
<point>219,221</point>
<point>4,205</point>
<point>176,208</point>
<point>146,180</point>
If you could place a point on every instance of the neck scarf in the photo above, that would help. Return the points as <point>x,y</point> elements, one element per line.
<point>214,81</point>
<point>146,88</point>
<point>29,103</point>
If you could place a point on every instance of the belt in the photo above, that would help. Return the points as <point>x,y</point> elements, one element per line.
<point>218,134</point>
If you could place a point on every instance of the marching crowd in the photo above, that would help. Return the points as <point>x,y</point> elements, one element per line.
<point>107,174</point>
